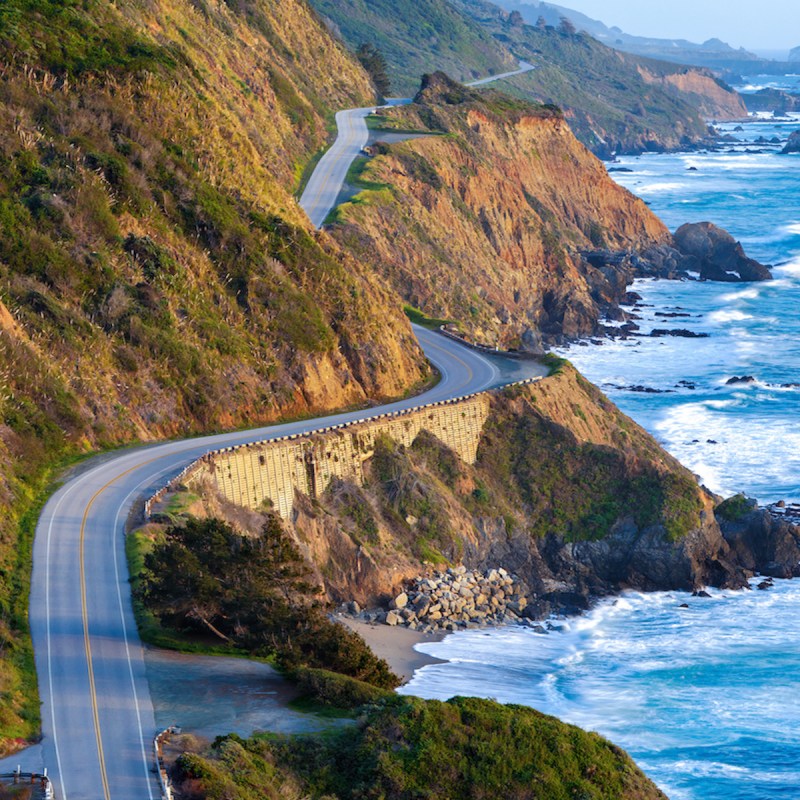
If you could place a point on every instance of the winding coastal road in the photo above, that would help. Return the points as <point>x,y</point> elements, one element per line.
<point>325,185</point>
<point>97,716</point>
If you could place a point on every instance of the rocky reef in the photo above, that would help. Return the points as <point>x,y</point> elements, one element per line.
<point>793,145</point>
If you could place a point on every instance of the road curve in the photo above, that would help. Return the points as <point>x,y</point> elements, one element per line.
<point>97,715</point>
<point>326,182</point>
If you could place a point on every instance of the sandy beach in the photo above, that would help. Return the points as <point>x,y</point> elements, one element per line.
<point>395,645</point>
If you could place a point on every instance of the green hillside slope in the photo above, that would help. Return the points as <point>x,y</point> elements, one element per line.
<point>615,102</point>
<point>157,277</point>
<point>416,38</point>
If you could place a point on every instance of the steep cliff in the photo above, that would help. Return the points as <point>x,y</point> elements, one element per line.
<point>156,275</point>
<point>566,491</point>
<point>484,224</point>
<point>712,98</point>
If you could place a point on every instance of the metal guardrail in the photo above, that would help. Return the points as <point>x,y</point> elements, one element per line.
<point>518,355</point>
<point>164,782</point>
<point>172,483</point>
<point>32,778</point>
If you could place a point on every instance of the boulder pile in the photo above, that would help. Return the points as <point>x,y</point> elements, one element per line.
<point>459,598</point>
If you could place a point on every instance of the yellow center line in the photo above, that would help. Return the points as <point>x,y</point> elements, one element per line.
<point>84,603</point>
<point>86,640</point>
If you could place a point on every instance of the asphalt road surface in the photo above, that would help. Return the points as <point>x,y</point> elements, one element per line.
<point>324,186</point>
<point>97,715</point>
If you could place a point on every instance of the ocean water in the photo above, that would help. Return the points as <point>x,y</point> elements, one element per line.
<point>735,437</point>
<point>705,698</point>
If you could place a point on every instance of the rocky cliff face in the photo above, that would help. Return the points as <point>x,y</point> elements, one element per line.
<point>484,224</point>
<point>567,493</point>
<point>712,99</point>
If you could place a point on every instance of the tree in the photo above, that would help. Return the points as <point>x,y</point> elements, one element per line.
<point>254,592</point>
<point>566,27</point>
<point>541,23</point>
<point>515,19</point>
<point>375,64</point>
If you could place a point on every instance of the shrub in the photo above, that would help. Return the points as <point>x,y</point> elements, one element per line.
<point>340,691</point>
<point>253,592</point>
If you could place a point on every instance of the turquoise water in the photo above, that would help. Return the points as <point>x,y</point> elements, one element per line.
<point>705,698</point>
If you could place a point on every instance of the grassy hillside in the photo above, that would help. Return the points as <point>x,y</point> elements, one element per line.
<point>614,101</point>
<point>156,274</point>
<point>416,38</point>
<point>406,748</point>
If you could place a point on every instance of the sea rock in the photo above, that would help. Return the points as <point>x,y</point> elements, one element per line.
<point>393,618</point>
<point>793,145</point>
<point>717,255</point>
<point>682,332</point>
<point>743,379</point>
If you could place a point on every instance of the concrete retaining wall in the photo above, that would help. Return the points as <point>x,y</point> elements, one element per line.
<point>269,473</point>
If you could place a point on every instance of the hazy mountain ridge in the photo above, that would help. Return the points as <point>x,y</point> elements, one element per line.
<point>713,53</point>
<point>615,102</point>
<point>418,37</point>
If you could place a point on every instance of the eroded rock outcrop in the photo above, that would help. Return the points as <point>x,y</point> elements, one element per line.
<point>716,255</point>
<point>509,226</point>
<point>793,145</point>
<point>485,225</point>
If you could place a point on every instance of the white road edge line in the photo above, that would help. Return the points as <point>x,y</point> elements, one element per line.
<point>48,633</point>
<point>122,505</point>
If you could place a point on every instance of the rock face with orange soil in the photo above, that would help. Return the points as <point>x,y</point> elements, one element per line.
<point>485,223</point>
<point>502,220</point>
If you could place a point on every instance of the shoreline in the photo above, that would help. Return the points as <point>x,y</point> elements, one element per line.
<point>396,645</point>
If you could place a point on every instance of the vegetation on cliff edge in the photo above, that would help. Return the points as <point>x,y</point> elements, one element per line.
<point>407,748</point>
<point>252,592</point>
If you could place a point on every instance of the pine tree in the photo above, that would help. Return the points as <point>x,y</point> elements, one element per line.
<point>375,64</point>
<point>565,26</point>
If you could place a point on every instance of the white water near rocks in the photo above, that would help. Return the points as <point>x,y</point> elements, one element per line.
<point>705,698</point>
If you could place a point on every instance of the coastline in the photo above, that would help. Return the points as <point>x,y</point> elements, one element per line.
<point>396,645</point>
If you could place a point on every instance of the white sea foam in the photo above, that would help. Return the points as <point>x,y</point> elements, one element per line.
<point>751,293</point>
<point>655,188</point>
<point>731,315</point>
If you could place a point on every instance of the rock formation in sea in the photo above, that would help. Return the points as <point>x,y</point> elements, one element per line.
<point>793,145</point>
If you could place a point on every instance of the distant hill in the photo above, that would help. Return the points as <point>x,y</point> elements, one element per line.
<point>794,55</point>
<point>615,102</point>
<point>416,38</point>
<point>713,53</point>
